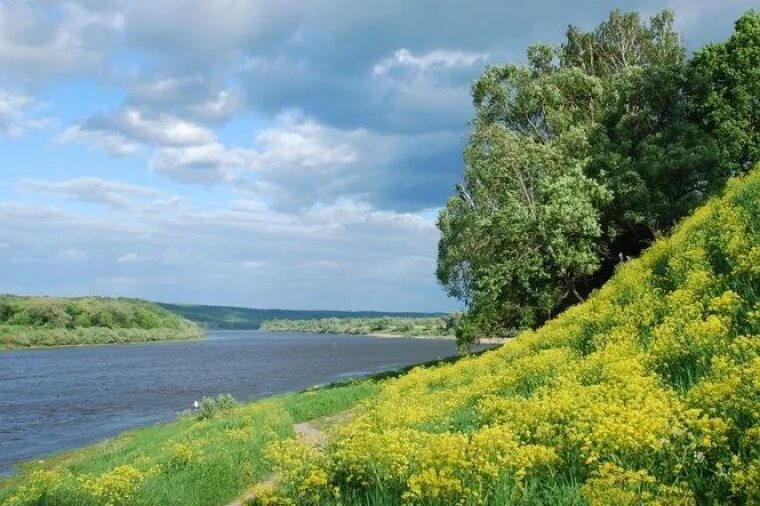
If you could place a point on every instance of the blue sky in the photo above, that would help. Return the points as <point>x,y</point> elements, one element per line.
<point>259,153</point>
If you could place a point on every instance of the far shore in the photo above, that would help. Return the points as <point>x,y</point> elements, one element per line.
<point>387,335</point>
<point>15,347</point>
<point>482,340</point>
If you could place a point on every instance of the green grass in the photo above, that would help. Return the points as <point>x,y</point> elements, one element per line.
<point>189,462</point>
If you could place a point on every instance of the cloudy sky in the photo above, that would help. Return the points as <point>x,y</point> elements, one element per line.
<point>261,153</point>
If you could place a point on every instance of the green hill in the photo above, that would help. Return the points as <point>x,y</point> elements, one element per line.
<point>53,321</point>
<point>646,394</point>
<point>243,318</point>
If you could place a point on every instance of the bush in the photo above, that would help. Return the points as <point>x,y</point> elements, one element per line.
<point>210,407</point>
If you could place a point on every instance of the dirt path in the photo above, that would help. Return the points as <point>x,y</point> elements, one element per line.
<point>311,433</point>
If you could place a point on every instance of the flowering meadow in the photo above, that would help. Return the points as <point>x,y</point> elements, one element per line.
<point>646,394</point>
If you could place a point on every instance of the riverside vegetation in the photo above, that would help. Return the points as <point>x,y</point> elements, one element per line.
<point>645,393</point>
<point>438,326</point>
<point>51,321</point>
<point>202,459</point>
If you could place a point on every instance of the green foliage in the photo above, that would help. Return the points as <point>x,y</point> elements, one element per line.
<point>647,394</point>
<point>584,155</point>
<point>724,83</point>
<point>211,407</point>
<point>433,327</point>
<point>51,321</point>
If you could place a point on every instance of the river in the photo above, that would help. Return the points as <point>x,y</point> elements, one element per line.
<point>53,399</point>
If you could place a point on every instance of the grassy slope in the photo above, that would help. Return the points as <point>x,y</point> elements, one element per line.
<point>431,326</point>
<point>647,394</point>
<point>52,321</point>
<point>243,318</point>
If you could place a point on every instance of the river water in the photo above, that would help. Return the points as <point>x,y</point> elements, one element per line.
<point>58,398</point>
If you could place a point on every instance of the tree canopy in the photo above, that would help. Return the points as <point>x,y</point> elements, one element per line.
<point>584,154</point>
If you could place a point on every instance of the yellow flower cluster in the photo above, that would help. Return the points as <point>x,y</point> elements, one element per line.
<point>41,484</point>
<point>116,487</point>
<point>614,486</point>
<point>181,455</point>
<point>302,468</point>
<point>646,394</point>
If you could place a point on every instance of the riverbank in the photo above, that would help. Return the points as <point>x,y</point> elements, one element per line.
<point>27,322</point>
<point>17,336</point>
<point>192,461</point>
<point>70,397</point>
<point>400,336</point>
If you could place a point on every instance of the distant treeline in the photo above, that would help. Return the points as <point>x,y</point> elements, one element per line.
<point>50,321</point>
<point>401,326</point>
<point>242,318</point>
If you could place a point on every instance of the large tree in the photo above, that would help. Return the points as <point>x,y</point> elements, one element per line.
<point>577,156</point>
<point>724,92</point>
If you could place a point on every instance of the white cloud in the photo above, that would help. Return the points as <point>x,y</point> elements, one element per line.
<point>438,58</point>
<point>114,194</point>
<point>295,142</point>
<point>17,114</point>
<point>161,129</point>
<point>122,132</point>
<point>42,39</point>
<point>129,258</point>
<point>204,164</point>
<point>219,107</point>
<point>193,95</point>
<point>112,143</point>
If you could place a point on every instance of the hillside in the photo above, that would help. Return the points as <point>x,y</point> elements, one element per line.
<point>53,321</point>
<point>243,318</point>
<point>648,393</point>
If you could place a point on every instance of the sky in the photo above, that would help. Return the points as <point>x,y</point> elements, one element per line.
<point>289,153</point>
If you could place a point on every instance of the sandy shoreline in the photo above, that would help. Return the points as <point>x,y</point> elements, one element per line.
<point>482,340</point>
<point>387,335</point>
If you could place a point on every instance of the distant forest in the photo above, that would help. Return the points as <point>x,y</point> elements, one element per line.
<point>56,321</point>
<point>241,318</point>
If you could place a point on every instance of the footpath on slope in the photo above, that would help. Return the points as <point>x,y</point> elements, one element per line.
<point>311,433</point>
